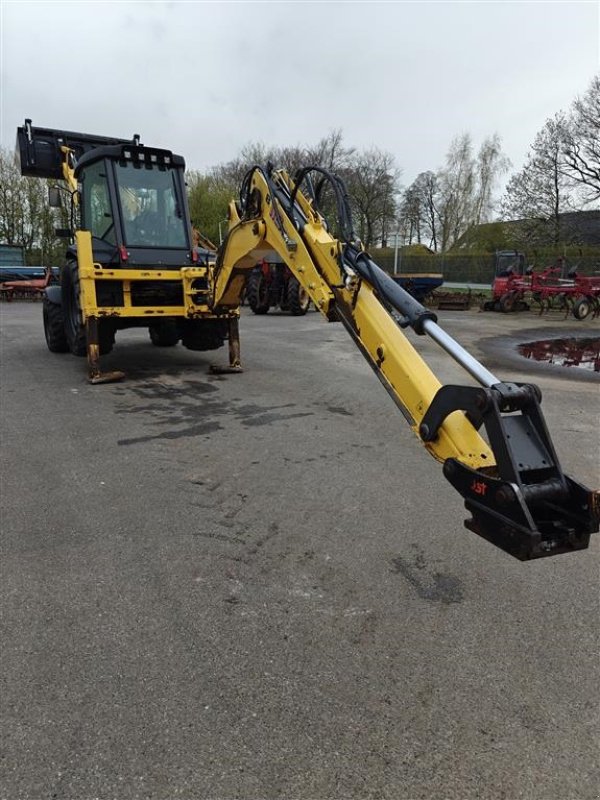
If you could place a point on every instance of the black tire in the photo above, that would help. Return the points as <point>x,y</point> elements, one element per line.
<point>203,334</point>
<point>582,308</point>
<point>257,292</point>
<point>54,327</point>
<point>298,298</point>
<point>164,334</point>
<point>73,324</point>
<point>507,302</point>
<point>71,307</point>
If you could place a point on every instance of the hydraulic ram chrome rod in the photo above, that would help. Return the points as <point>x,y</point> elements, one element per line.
<point>420,319</point>
<point>459,354</point>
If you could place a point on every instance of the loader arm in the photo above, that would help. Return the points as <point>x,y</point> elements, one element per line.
<point>511,481</point>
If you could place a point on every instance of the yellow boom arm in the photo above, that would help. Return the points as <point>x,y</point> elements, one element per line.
<point>513,486</point>
<point>314,259</point>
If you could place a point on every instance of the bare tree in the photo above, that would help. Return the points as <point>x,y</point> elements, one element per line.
<point>330,152</point>
<point>457,182</point>
<point>231,174</point>
<point>456,197</point>
<point>491,163</point>
<point>371,178</point>
<point>372,181</point>
<point>421,200</point>
<point>581,144</point>
<point>539,194</point>
<point>411,214</point>
<point>429,187</point>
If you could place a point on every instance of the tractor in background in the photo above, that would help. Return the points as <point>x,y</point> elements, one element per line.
<point>271,284</point>
<point>511,280</point>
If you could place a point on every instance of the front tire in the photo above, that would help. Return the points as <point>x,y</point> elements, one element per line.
<point>71,309</point>
<point>74,327</point>
<point>54,327</point>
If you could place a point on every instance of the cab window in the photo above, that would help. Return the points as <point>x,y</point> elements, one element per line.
<point>97,212</point>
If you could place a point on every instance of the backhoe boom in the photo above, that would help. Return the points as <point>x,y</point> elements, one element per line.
<point>512,483</point>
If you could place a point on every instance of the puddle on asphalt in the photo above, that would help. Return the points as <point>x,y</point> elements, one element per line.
<point>573,352</point>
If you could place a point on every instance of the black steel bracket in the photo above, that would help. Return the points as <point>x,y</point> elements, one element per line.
<point>525,505</point>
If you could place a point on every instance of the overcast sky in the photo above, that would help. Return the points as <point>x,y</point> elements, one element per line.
<point>205,78</point>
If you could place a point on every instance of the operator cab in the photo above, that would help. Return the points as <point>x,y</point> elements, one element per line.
<point>131,197</point>
<point>133,203</point>
<point>509,262</point>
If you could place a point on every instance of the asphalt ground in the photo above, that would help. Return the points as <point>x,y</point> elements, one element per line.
<point>260,586</point>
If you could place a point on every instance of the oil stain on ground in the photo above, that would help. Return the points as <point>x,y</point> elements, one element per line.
<point>180,409</point>
<point>433,586</point>
<point>339,410</point>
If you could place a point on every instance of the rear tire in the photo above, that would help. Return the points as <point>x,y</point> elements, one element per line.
<point>164,334</point>
<point>582,308</point>
<point>54,327</point>
<point>298,298</point>
<point>257,292</point>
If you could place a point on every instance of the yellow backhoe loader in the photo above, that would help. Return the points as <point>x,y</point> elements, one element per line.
<point>512,483</point>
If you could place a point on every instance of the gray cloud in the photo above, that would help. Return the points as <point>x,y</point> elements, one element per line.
<point>205,78</point>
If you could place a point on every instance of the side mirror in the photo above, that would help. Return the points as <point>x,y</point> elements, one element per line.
<point>54,200</point>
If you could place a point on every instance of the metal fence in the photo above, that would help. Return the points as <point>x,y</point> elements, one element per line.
<point>472,267</point>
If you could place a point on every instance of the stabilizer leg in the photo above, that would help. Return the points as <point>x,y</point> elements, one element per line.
<point>235,364</point>
<point>93,356</point>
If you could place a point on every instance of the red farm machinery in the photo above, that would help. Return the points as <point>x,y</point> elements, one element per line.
<point>517,287</point>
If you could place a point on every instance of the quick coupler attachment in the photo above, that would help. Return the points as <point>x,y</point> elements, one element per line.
<point>525,504</point>
<point>526,521</point>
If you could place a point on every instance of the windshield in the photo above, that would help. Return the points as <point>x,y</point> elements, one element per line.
<point>152,213</point>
